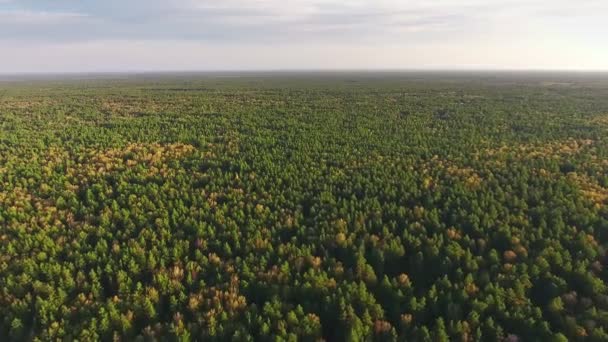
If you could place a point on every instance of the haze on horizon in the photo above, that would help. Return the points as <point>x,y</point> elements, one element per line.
<point>161,35</point>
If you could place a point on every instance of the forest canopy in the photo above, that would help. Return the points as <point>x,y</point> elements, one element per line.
<point>334,207</point>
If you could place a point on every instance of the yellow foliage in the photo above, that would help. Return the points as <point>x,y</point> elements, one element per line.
<point>453,234</point>
<point>214,259</point>
<point>404,280</point>
<point>471,289</point>
<point>406,319</point>
<point>341,239</point>
<point>589,188</point>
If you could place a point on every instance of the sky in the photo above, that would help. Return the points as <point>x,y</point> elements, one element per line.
<point>207,35</point>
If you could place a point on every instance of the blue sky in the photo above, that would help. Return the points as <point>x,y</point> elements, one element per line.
<point>136,35</point>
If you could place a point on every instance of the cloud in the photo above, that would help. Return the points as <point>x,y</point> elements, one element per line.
<point>500,32</point>
<point>263,20</point>
<point>267,21</point>
<point>25,17</point>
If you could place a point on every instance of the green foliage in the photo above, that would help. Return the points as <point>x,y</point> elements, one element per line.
<point>357,207</point>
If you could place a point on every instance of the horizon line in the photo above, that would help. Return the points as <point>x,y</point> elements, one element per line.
<point>302,70</point>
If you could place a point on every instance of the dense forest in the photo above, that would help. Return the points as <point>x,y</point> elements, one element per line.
<point>284,207</point>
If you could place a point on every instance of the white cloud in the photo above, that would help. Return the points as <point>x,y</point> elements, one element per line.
<point>37,17</point>
<point>276,34</point>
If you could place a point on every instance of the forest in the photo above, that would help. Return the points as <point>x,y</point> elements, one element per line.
<point>304,207</point>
